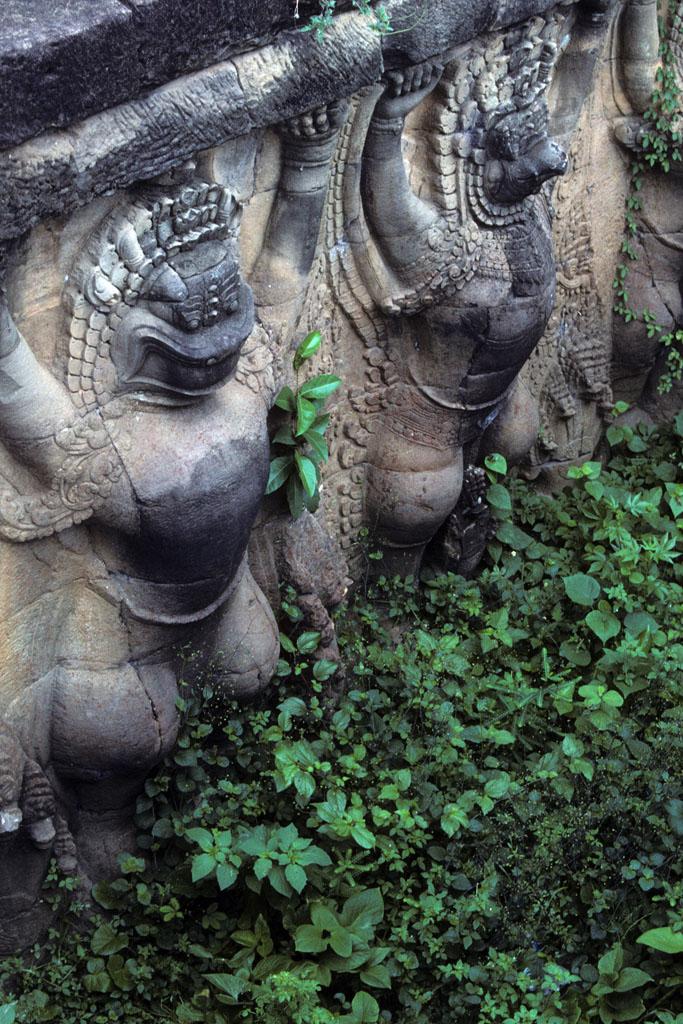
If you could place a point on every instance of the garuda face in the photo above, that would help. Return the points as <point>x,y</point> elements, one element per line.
<point>159,305</point>
<point>185,334</point>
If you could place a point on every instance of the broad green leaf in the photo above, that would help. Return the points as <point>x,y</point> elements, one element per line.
<point>637,623</point>
<point>318,444</point>
<point>666,940</point>
<point>232,984</point>
<point>105,941</point>
<point>498,787</point>
<point>8,1013</point>
<point>324,670</point>
<point>611,962</point>
<point>630,978</point>
<point>321,423</point>
<point>377,976</point>
<point>308,642</point>
<point>572,746</point>
<point>280,470</point>
<point>202,837</point>
<point>496,463</point>
<point>453,819</point>
<point>320,387</point>
<point>307,939</point>
<point>341,941</point>
<point>202,866</point>
<point>99,981</point>
<point>120,972</point>
<point>604,624</point>
<point>286,400</point>
<point>368,904</point>
<point>499,497</point>
<point>308,347</point>
<point>314,855</point>
<point>575,654</point>
<point>582,589</point>
<point>365,1008</point>
<point>361,835</point>
<point>226,875</point>
<point>306,413</point>
<point>307,473</point>
<point>295,495</point>
<point>284,436</point>
<point>296,876</point>
<point>515,538</point>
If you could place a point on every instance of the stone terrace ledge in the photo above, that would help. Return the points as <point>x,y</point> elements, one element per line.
<point>94,96</point>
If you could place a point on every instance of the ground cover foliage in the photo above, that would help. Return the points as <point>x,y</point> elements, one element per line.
<point>487,829</point>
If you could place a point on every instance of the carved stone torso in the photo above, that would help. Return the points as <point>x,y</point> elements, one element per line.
<point>193,478</point>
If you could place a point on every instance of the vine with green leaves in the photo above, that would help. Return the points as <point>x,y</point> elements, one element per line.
<point>302,437</point>
<point>319,23</point>
<point>660,148</point>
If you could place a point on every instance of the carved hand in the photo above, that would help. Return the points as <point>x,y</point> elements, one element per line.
<point>405,89</point>
<point>316,125</point>
<point>9,335</point>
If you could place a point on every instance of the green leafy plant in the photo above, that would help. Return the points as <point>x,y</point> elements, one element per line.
<point>659,149</point>
<point>376,14</point>
<point>486,830</point>
<point>303,437</point>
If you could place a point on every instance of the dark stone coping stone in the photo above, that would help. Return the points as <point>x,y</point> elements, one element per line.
<point>61,170</point>
<point>64,60</point>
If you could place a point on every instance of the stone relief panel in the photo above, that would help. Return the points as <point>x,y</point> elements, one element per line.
<point>134,457</point>
<point>144,337</point>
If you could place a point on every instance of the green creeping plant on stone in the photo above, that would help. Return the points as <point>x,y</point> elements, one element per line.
<point>319,23</point>
<point>303,438</point>
<point>487,828</point>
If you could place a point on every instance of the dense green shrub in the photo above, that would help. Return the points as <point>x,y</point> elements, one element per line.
<point>486,829</point>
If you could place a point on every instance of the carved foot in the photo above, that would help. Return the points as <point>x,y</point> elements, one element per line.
<point>629,132</point>
<point>26,797</point>
<point>460,544</point>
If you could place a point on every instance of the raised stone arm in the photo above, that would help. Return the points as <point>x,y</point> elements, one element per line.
<point>397,218</point>
<point>308,146</point>
<point>34,406</point>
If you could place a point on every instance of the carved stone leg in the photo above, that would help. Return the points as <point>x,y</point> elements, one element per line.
<point>245,640</point>
<point>410,492</point>
<point>27,831</point>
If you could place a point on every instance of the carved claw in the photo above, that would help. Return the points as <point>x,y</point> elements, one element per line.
<point>629,131</point>
<point>474,489</point>
<point>65,848</point>
<point>26,797</point>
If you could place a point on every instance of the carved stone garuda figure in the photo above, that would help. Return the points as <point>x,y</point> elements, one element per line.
<point>451,274</point>
<point>142,433</point>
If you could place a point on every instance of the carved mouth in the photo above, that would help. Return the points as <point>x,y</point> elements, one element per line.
<point>152,354</point>
<point>170,372</point>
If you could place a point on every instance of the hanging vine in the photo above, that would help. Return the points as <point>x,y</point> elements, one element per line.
<point>658,148</point>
